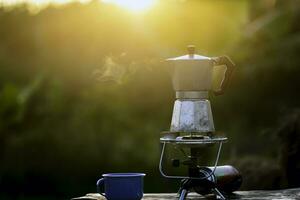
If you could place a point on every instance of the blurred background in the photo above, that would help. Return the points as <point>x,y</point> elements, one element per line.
<point>84,91</point>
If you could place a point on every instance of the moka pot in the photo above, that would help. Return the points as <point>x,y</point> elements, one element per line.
<point>192,81</point>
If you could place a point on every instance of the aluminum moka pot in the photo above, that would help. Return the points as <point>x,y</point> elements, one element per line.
<point>192,80</point>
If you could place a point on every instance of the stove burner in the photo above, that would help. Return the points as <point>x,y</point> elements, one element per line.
<point>192,140</point>
<point>193,137</point>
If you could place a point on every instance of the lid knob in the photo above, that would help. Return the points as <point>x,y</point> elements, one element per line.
<point>191,50</point>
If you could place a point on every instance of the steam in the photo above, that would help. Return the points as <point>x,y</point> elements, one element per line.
<point>115,69</point>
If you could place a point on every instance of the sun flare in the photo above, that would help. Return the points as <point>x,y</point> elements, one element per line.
<point>133,5</point>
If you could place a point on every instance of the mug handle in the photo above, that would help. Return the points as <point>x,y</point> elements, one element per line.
<point>100,183</point>
<point>224,60</point>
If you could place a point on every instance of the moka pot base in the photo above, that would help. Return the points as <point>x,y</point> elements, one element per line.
<point>192,115</point>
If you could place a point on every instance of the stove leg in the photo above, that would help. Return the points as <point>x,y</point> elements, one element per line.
<point>184,188</point>
<point>183,194</point>
<point>218,194</point>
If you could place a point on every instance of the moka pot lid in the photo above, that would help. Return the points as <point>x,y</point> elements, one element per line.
<point>191,56</point>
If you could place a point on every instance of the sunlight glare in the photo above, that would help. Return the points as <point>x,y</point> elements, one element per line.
<point>133,5</point>
<point>38,3</point>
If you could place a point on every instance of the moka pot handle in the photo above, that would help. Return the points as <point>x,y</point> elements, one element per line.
<point>224,60</point>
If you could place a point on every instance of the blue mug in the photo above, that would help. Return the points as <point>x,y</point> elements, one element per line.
<point>122,186</point>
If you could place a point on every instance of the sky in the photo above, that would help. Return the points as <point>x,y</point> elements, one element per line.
<point>38,2</point>
<point>134,5</point>
<point>34,6</point>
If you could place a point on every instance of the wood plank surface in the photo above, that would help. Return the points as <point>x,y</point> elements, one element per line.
<point>288,194</point>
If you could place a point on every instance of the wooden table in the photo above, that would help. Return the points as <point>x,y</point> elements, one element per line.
<point>288,194</point>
